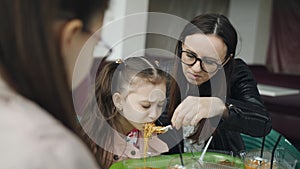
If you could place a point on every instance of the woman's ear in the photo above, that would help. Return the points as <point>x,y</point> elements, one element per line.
<point>71,31</point>
<point>117,99</point>
<point>72,39</point>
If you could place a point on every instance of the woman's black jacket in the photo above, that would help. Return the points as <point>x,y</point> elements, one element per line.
<point>247,113</point>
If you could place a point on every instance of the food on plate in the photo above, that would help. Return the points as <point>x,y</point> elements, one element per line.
<point>227,163</point>
<point>261,164</point>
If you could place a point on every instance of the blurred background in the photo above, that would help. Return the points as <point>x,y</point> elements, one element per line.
<point>269,42</point>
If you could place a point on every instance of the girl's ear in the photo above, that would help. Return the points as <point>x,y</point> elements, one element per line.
<point>117,99</point>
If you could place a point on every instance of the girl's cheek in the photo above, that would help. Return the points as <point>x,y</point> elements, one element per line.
<point>136,116</point>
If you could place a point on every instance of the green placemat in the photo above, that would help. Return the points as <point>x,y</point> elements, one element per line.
<point>163,161</point>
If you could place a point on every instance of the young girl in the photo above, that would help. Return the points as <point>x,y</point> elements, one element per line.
<point>128,95</point>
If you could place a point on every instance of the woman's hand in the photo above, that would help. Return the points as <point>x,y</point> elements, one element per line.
<point>192,109</point>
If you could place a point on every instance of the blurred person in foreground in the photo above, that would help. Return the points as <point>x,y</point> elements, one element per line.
<point>40,42</point>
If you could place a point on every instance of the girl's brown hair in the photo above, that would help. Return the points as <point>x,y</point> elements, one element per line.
<point>99,120</point>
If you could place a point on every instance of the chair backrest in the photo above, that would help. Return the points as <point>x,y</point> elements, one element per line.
<point>287,151</point>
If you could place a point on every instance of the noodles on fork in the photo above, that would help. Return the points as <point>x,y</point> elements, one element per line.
<point>149,129</point>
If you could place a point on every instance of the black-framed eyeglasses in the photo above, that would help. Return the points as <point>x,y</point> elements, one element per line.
<point>207,65</point>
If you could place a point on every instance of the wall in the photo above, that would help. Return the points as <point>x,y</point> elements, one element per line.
<point>118,30</point>
<point>252,20</point>
<point>185,11</point>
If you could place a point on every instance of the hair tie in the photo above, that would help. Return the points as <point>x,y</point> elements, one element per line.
<point>119,61</point>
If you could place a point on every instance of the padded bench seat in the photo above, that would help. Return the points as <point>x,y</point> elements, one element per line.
<point>284,110</point>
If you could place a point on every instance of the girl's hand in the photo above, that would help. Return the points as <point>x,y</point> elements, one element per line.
<point>192,109</point>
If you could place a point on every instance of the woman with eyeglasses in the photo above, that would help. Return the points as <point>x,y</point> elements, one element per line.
<point>39,45</point>
<point>212,92</point>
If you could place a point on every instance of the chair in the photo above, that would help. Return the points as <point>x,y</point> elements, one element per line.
<point>287,151</point>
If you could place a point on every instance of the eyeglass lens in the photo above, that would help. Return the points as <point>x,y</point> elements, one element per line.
<point>207,65</point>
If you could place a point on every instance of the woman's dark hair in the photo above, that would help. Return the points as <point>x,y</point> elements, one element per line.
<point>30,56</point>
<point>208,24</point>
<point>214,24</point>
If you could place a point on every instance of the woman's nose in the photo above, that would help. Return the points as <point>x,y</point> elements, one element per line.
<point>197,66</point>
